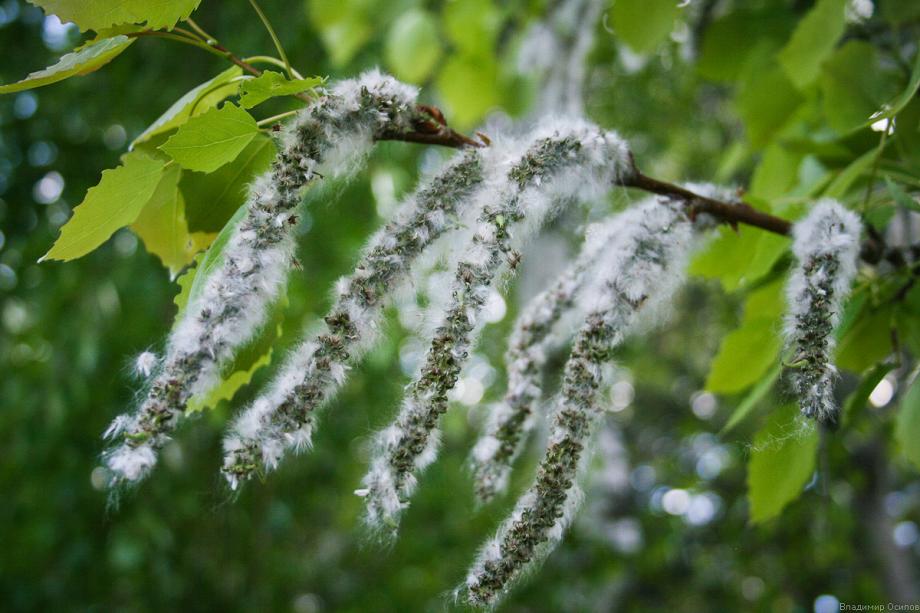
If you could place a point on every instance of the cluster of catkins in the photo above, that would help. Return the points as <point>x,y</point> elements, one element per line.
<point>491,201</point>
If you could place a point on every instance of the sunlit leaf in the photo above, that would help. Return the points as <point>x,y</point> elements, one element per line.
<point>207,142</point>
<point>99,14</point>
<point>413,46</point>
<point>469,87</point>
<point>472,25</point>
<point>747,353</point>
<point>194,102</point>
<point>162,226</point>
<point>782,463</point>
<point>644,24</point>
<point>271,84</point>
<point>80,62</point>
<point>112,204</point>
<point>813,41</point>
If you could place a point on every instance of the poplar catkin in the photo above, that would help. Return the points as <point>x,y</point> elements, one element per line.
<point>644,266</point>
<point>572,159</point>
<point>512,419</point>
<point>283,418</point>
<point>826,246</point>
<point>331,137</point>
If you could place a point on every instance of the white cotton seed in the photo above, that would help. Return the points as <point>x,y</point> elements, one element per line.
<point>644,266</point>
<point>331,137</point>
<point>527,180</point>
<point>284,416</point>
<point>826,247</point>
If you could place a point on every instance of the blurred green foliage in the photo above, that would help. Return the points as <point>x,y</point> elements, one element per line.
<point>791,99</point>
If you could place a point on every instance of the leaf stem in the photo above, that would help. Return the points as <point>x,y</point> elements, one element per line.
<point>267,59</point>
<point>274,118</point>
<point>274,36</point>
<point>194,25</point>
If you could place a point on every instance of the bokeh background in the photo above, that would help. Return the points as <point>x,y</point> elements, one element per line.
<point>665,525</point>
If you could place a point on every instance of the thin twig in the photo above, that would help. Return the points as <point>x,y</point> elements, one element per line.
<point>274,36</point>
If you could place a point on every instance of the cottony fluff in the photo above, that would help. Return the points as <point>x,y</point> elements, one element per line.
<point>331,137</point>
<point>512,419</point>
<point>562,160</point>
<point>826,245</point>
<point>644,265</point>
<point>283,417</point>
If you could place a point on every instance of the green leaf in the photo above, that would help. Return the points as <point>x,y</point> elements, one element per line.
<point>730,41</point>
<point>85,60</point>
<point>813,41</point>
<point>644,24</point>
<point>907,424</point>
<point>112,204</point>
<point>413,46</point>
<point>899,11</point>
<point>747,353</point>
<point>782,463</point>
<point>753,399</point>
<point>867,341</point>
<point>845,179</point>
<point>901,197</point>
<point>211,199</point>
<point>271,84</point>
<point>207,142</point>
<point>162,226</point>
<point>194,102</point>
<point>100,14</point>
<point>898,103</point>
<point>766,101</point>
<point>739,258</point>
<point>860,396</point>
<point>472,25</point>
<point>469,87</point>
<point>855,85</point>
<point>344,26</point>
<point>776,174</point>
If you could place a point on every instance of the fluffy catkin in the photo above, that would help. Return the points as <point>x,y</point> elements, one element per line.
<point>644,265</point>
<point>283,417</point>
<point>826,245</point>
<point>563,159</point>
<point>511,420</point>
<point>330,138</point>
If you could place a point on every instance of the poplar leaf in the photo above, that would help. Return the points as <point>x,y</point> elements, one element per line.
<point>112,204</point>
<point>212,199</point>
<point>100,14</point>
<point>644,24</point>
<point>207,142</point>
<point>271,84</point>
<point>753,399</point>
<point>855,86</point>
<point>413,46</point>
<point>82,61</point>
<point>163,228</point>
<point>813,41</point>
<point>747,353</point>
<point>782,463</point>
<point>194,102</point>
<point>907,425</point>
